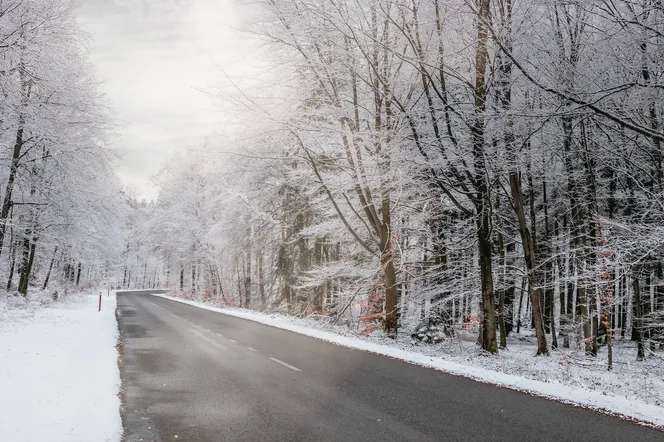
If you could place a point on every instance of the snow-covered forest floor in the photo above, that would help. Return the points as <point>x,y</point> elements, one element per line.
<point>59,376</point>
<point>632,389</point>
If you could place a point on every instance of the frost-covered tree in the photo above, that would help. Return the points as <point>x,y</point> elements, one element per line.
<point>61,215</point>
<point>483,164</point>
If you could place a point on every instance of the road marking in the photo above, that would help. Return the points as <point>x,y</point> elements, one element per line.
<point>219,334</point>
<point>196,332</point>
<point>161,308</point>
<point>252,349</point>
<point>285,364</point>
<point>233,341</point>
<point>180,318</point>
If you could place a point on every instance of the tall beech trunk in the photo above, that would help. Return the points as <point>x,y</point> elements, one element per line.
<point>12,265</point>
<point>391,290</point>
<point>482,198</point>
<point>533,273</point>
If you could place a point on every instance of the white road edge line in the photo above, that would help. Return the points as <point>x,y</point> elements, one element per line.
<point>285,364</point>
<point>252,349</point>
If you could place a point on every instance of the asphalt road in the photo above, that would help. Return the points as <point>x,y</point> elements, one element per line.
<point>194,375</point>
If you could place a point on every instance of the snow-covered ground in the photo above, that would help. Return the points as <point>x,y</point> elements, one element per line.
<point>59,378</point>
<point>634,390</point>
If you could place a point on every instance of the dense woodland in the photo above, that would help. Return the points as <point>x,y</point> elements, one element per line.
<point>493,165</point>
<point>61,213</point>
<point>496,162</point>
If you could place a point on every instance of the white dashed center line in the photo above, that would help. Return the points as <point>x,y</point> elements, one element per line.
<point>252,349</point>
<point>196,332</point>
<point>285,364</point>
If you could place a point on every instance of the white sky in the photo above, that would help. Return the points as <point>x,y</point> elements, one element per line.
<point>153,57</point>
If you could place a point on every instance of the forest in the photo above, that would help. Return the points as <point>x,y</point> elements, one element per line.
<point>62,208</point>
<point>494,164</point>
<point>398,165</point>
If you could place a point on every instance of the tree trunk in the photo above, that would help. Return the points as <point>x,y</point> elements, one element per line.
<point>319,288</point>
<point>168,271</point>
<point>527,242</point>
<point>638,320</point>
<point>482,198</point>
<point>50,267</point>
<point>391,289</point>
<point>488,326</point>
<point>501,319</point>
<point>261,281</point>
<point>193,279</point>
<point>16,156</point>
<point>552,319</point>
<point>609,345</point>
<point>518,319</point>
<point>582,313</point>
<point>550,303</point>
<point>78,274</point>
<point>28,260</point>
<point>501,293</point>
<point>239,283</point>
<point>247,279</point>
<point>595,333</point>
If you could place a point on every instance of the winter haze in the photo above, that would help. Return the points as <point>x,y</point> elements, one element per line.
<point>157,60</point>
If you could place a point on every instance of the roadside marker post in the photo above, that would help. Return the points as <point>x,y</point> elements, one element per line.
<point>99,301</point>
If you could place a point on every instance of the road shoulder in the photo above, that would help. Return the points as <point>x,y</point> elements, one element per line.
<point>60,379</point>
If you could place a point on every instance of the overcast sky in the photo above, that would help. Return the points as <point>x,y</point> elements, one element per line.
<point>153,57</point>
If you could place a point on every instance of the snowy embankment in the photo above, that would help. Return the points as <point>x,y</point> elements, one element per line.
<point>59,378</point>
<point>632,391</point>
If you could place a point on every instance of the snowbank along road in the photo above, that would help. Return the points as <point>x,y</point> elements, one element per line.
<point>195,375</point>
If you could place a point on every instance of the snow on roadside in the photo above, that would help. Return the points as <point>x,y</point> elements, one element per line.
<point>563,383</point>
<point>59,378</point>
